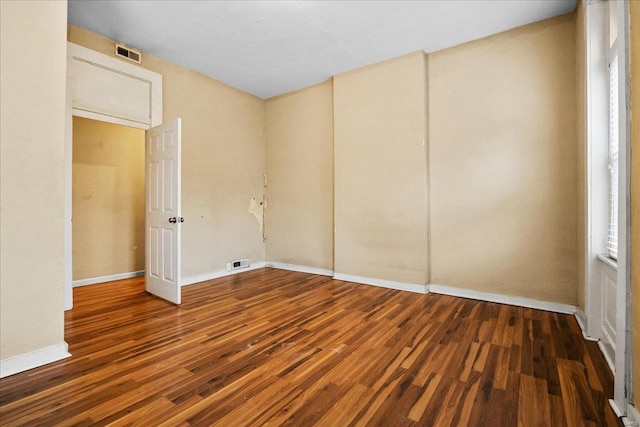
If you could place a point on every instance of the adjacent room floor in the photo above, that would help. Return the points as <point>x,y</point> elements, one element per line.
<point>273,347</point>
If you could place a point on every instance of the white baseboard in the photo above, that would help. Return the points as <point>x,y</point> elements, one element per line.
<point>24,362</point>
<point>610,358</point>
<point>102,279</point>
<point>300,268</point>
<point>633,416</point>
<point>582,322</point>
<point>220,273</point>
<point>401,286</point>
<point>616,408</point>
<point>503,299</point>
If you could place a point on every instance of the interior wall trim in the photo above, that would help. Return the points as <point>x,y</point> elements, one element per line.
<point>503,299</point>
<point>452,291</point>
<point>401,286</point>
<point>190,280</point>
<point>608,356</point>
<point>633,416</point>
<point>33,359</point>
<point>582,322</point>
<point>109,278</point>
<point>300,268</point>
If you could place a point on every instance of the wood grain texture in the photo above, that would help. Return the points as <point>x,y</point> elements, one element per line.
<point>274,347</point>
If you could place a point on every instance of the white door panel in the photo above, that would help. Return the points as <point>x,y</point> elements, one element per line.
<point>168,244</point>
<point>153,255</point>
<point>608,298</point>
<point>163,220</point>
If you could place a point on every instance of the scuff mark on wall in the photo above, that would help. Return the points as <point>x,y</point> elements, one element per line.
<point>257,210</point>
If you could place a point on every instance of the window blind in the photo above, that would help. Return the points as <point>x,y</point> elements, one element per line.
<point>612,239</point>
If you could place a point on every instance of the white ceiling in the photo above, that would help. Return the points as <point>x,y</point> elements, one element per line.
<point>268,48</point>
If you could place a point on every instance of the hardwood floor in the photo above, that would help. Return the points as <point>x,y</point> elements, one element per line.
<point>272,347</point>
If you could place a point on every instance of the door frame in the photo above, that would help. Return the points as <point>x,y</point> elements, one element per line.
<point>622,381</point>
<point>79,53</point>
<point>597,50</point>
<point>596,148</point>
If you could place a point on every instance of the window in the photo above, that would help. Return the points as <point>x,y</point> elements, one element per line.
<point>612,239</point>
<point>612,233</point>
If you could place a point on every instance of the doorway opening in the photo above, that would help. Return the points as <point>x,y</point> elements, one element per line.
<point>106,89</point>
<point>108,201</point>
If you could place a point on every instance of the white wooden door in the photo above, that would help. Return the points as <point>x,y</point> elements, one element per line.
<point>163,220</point>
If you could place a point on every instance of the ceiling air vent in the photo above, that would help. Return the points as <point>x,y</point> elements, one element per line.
<point>127,52</point>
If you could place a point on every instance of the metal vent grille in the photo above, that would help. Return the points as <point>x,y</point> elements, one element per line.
<point>128,53</point>
<point>237,264</point>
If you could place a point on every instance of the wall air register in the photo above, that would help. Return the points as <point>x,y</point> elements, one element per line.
<point>237,264</point>
<point>128,53</point>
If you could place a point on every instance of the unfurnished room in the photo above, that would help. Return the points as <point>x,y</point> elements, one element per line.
<point>331,213</point>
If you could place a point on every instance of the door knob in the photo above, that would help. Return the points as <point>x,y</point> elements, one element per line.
<point>173,220</point>
<point>180,219</point>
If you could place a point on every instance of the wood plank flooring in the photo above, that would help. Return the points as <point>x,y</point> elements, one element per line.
<point>272,347</point>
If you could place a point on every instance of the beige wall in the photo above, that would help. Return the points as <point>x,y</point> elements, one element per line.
<point>635,197</point>
<point>223,161</point>
<point>503,163</point>
<point>299,149</point>
<point>108,199</point>
<point>581,156</point>
<point>500,107</point>
<point>503,174</point>
<point>32,105</point>
<point>380,171</point>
